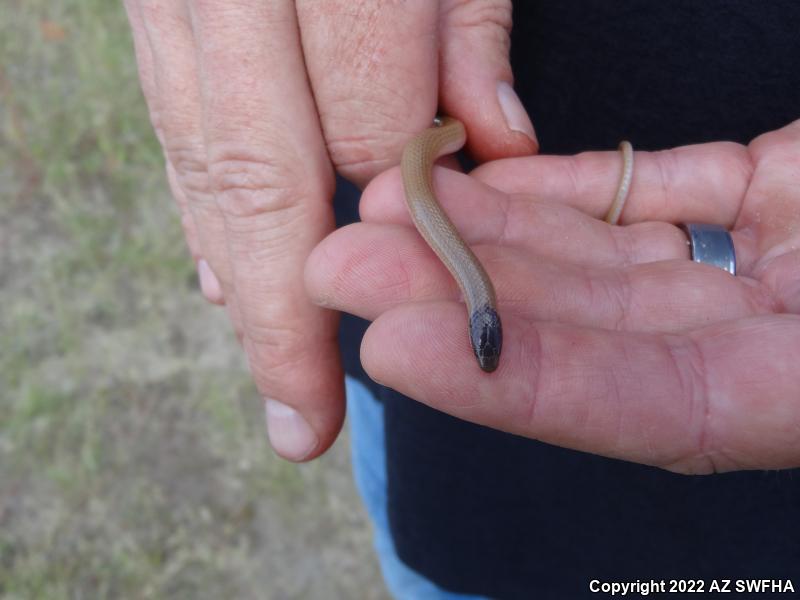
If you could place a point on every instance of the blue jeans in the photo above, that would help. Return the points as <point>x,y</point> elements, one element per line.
<point>365,415</point>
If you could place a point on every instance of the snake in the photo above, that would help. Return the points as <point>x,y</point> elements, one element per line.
<point>447,136</point>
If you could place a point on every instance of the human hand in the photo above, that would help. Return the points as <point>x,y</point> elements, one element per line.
<point>614,341</point>
<point>255,103</point>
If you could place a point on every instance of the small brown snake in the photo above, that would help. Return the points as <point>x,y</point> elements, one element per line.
<point>445,137</point>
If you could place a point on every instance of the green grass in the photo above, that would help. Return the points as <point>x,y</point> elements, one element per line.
<point>133,460</point>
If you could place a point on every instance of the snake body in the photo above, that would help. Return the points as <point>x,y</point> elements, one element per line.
<point>445,137</point>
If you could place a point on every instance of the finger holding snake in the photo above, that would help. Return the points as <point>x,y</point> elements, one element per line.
<point>700,373</point>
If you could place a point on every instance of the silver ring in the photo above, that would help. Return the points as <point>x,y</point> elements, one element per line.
<point>711,245</point>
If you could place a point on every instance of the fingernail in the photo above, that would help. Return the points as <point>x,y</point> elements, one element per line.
<point>516,116</point>
<point>289,433</point>
<point>209,284</point>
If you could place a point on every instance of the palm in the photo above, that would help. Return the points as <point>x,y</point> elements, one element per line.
<point>615,343</point>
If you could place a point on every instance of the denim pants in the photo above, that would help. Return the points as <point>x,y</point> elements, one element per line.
<point>365,415</point>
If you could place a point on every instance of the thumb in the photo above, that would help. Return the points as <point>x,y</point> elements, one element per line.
<point>476,79</point>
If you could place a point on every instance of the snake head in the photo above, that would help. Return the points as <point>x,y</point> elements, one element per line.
<point>486,335</point>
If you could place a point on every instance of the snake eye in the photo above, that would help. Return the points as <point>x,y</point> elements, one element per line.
<point>486,335</point>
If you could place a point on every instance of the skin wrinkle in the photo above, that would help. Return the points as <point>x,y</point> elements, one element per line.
<point>505,205</point>
<point>626,297</point>
<point>491,19</point>
<point>372,128</point>
<point>358,169</point>
<point>224,16</point>
<point>629,406</point>
<point>401,288</point>
<point>252,129</point>
<point>740,221</point>
<point>777,251</point>
<point>469,13</point>
<point>285,363</point>
<point>153,12</point>
<point>620,237</point>
<point>762,299</point>
<point>341,271</point>
<point>786,293</point>
<point>449,395</point>
<point>623,244</point>
<point>282,340</point>
<point>612,394</point>
<point>367,143</point>
<point>627,388</point>
<point>745,166</point>
<point>532,348</point>
<point>266,245</point>
<point>362,106</point>
<point>661,168</point>
<point>191,171</point>
<point>324,293</point>
<point>689,366</point>
<point>572,166</point>
<point>406,283</point>
<point>252,187</point>
<point>620,295</point>
<point>406,286</point>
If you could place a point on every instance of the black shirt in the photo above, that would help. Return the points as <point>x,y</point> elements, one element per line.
<point>484,512</point>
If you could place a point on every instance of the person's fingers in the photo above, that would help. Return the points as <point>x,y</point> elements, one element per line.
<point>271,180</point>
<point>378,80</point>
<point>178,123</point>
<point>144,56</point>
<point>484,215</point>
<point>367,269</point>
<point>770,217</point>
<point>704,183</point>
<point>147,77</point>
<point>373,67</point>
<point>476,83</point>
<point>209,284</point>
<point>551,230</point>
<point>722,398</point>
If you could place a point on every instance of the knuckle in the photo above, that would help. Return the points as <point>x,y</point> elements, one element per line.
<point>357,153</point>
<point>363,138</point>
<point>187,157</point>
<point>480,13</point>
<point>278,350</point>
<point>247,186</point>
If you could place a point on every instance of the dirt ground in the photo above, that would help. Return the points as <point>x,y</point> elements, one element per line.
<point>133,456</point>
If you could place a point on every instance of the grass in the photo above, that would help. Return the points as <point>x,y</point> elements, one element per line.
<point>133,462</point>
